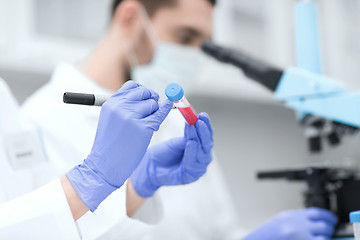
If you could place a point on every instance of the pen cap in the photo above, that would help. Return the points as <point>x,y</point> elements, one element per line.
<point>174,92</point>
<point>79,98</point>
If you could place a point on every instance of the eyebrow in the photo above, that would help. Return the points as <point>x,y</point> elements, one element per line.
<point>190,30</point>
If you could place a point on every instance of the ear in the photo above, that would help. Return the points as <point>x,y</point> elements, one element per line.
<point>126,15</point>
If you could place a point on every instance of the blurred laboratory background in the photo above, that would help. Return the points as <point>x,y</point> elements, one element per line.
<point>252,131</point>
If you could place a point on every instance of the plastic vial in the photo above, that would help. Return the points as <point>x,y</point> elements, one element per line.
<point>355,220</point>
<point>175,93</point>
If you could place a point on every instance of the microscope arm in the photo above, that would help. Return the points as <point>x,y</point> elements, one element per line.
<point>297,88</point>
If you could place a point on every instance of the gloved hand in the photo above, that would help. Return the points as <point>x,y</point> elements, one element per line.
<point>177,161</point>
<point>126,125</point>
<point>306,224</point>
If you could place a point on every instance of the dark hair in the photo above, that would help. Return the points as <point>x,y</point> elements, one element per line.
<point>152,5</point>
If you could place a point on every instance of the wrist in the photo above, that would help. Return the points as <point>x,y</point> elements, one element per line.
<point>133,200</point>
<point>89,186</point>
<point>142,183</point>
<point>143,187</point>
<point>113,174</point>
<point>77,207</point>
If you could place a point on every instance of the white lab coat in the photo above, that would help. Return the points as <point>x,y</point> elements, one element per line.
<point>202,210</point>
<point>68,133</point>
<point>41,214</point>
<point>23,180</point>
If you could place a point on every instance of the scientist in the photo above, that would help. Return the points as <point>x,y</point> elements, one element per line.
<point>168,33</point>
<point>126,125</point>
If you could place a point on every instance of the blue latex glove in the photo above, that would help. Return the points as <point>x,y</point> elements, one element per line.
<point>177,161</point>
<point>126,125</point>
<point>306,224</point>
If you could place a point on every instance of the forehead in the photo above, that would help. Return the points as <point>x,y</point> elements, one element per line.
<point>196,14</point>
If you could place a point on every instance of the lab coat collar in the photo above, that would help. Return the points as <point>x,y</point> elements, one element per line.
<point>69,78</point>
<point>9,119</point>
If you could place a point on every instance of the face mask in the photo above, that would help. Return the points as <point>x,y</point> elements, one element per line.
<point>172,63</point>
<point>150,31</point>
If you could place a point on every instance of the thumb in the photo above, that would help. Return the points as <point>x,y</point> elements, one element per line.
<point>168,153</point>
<point>155,120</point>
<point>176,145</point>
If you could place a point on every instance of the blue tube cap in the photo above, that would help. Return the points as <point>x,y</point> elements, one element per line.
<point>355,217</point>
<point>174,92</point>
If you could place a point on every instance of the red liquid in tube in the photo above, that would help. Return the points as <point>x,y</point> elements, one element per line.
<point>175,93</point>
<point>189,115</point>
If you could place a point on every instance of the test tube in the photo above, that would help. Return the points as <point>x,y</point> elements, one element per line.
<point>355,220</point>
<point>175,93</point>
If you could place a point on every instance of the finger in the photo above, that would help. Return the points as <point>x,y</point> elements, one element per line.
<point>321,214</point>
<point>155,120</point>
<point>138,94</point>
<point>146,108</point>
<point>192,169</point>
<point>190,153</point>
<point>127,86</point>
<point>205,160</point>
<point>154,95</point>
<point>205,136</point>
<point>322,228</point>
<point>205,117</point>
<point>191,133</point>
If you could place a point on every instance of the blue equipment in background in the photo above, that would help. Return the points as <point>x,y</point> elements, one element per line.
<point>326,107</point>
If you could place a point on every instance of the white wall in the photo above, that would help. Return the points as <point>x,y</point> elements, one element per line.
<point>37,34</point>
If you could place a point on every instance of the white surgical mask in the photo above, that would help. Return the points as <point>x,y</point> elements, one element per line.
<point>150,31</point>
<point>172,63</point>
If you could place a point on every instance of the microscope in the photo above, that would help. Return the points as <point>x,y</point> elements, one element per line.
<point>326,108</point>
<point>334,189</point>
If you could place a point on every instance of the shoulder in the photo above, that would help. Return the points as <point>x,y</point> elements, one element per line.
<point>43,100</point>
